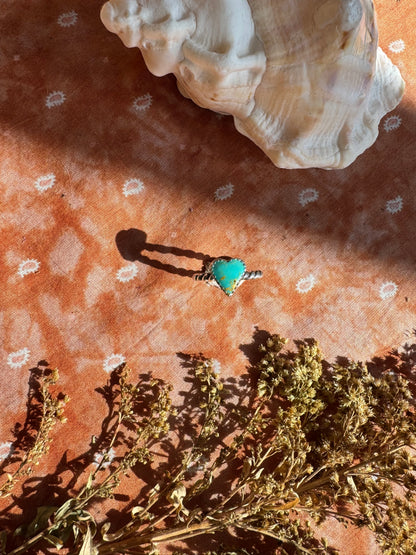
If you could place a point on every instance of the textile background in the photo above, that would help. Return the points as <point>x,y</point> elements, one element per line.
<point>113,190</point>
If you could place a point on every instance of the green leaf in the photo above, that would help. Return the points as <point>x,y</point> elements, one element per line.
<point>40,522</point>
<point>176,495</point>
<point>64,509</point>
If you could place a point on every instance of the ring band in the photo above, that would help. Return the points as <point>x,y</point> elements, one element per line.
<point>205,276</point>
<point>227,274</point>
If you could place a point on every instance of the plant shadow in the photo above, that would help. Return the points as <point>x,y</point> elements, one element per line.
<point>54,488</point>
<point>186,421</point>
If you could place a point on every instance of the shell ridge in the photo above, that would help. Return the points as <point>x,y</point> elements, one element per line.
<point>305,81</point>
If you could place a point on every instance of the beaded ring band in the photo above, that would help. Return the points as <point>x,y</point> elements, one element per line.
<point>227,274</point>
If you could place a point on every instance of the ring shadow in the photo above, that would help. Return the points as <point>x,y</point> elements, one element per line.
<point>115,74</point>
<point>132,242</point>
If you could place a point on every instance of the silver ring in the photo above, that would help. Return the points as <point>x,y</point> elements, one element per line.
<point>227,274</point>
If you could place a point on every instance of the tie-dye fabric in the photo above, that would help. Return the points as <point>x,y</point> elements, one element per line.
<point>115,189</point>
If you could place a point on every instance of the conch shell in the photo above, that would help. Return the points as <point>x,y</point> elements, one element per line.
<point>304,79</point>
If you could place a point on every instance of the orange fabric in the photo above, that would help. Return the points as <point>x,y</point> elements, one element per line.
<point>114,188</point>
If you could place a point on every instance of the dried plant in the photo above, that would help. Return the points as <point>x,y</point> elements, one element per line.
<point>310,441</point>
<point>51,412</point>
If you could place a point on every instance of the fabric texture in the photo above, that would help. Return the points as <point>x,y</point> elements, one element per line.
<point>115,189</point>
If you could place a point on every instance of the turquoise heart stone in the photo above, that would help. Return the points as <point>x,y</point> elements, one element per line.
<point>228,273</point>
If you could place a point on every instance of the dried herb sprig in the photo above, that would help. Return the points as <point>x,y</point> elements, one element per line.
<point>314,441</point>
<point>51,411</point>
<point>71,522</point>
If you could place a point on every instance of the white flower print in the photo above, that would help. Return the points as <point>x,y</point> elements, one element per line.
<point>113,361</point>
<point>397,46</point>
<point>56,98</point>
<point>29,266</point>
<point>215,366</point>
<point>306,284</point>
<point>391,123</point>
<point>45,182</point>
<point>308,195</point>
<point>67,19</point>
<point>19,358</point>
<point>142,103</point>
<point>98,457</point>
<point>132,187</point>
<point>222,193</point>
<point>6,449</point>
<point>127,273</point>
<point>198,466</point>
<point>388,290</point>
<point>394,205</point>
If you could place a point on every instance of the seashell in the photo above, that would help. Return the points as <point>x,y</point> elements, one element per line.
<point>304,80</point>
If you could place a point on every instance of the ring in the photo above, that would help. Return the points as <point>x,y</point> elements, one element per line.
<point>227,274</point>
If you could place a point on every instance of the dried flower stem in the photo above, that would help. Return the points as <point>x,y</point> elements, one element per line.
<point>320,445</point>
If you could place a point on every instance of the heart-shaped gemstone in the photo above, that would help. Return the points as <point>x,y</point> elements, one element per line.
<point>228,273</point>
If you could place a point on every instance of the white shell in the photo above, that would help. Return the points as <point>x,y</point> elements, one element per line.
<point>304,79</point>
